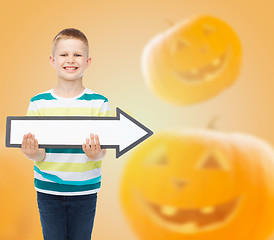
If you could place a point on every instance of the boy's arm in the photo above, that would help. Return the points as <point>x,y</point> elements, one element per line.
<point>29,144</point>
<point>30,148</point>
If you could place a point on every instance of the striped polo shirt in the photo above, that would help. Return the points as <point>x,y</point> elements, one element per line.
<point>67,171</point>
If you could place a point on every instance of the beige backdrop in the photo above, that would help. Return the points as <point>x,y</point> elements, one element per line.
<point>117,32</point>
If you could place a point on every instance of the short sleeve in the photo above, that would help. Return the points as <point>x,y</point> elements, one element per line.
<point>105,109</point>
<point>32,109</point>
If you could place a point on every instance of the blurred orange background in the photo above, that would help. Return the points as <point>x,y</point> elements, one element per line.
<point>117,32</point>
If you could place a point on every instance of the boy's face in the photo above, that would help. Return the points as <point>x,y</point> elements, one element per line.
<point>70,59</point>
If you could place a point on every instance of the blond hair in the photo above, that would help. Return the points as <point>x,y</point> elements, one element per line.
<point>69,33</point>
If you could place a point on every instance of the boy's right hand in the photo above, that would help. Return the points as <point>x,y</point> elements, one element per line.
<point>30,148</point>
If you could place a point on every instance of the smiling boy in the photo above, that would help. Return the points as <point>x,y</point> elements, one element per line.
<point>67,180</point>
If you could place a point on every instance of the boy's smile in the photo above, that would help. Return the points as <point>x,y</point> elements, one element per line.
<point>70,68</point>
<point>70,59</point>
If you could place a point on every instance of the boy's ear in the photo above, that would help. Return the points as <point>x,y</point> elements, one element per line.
<point>88,62</point>
<point>51,60</point>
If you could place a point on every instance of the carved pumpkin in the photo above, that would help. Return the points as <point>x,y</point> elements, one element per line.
<point>193,61</point>
<point>200,185</point>
<point>18,207</point>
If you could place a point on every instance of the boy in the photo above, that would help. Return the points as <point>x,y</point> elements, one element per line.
<point>67,180</point>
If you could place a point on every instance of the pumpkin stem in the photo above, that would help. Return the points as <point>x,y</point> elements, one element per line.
<point>212,122</point>
<point>170,22</point>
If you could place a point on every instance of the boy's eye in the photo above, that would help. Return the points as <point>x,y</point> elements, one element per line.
<point>76,55</point>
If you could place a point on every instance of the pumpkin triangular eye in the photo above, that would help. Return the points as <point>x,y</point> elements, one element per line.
<point>208,29</point>
<point>157,156</point>
<point>214,159</point>
<point>211,162</point>
<point>182,44</point>
<point>179,45</point>
<point>161,161</point>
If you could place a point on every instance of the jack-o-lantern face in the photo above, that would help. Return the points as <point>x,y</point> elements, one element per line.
<point>193,61</point>
<point>198,186</point>
<point>191,218</point>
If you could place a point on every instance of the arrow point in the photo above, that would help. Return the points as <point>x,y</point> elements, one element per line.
<point>141,132</point>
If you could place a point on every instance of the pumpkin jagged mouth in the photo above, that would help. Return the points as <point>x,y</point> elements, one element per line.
<point>189,221</point>
<point>205,73</point>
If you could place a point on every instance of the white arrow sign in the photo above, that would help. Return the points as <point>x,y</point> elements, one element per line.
<point>121,132</point>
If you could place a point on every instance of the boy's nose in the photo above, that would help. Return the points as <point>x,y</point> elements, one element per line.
<point>70,59</point>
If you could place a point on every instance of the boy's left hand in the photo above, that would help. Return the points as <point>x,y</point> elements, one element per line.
<point>92,148</point>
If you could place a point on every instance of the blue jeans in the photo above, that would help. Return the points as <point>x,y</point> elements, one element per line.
<point>66,217</point>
